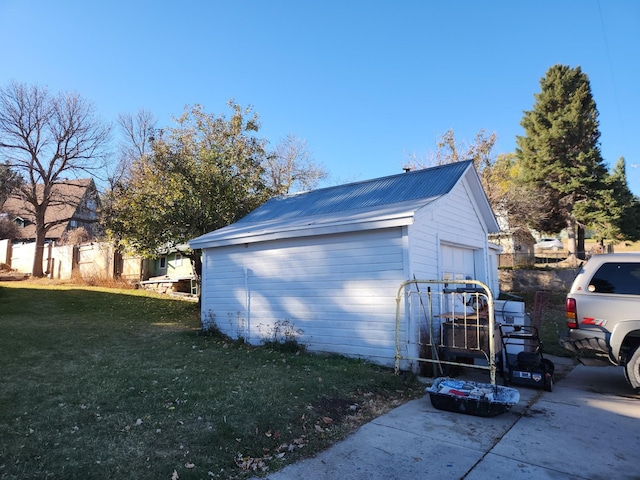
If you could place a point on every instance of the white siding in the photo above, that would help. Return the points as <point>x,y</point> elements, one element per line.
<point>339,290</point>
<point>447,237</point>
<point>452,220</point>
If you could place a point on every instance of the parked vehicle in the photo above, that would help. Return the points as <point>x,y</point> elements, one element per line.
<point>603,311</point>
<point>554,244</point>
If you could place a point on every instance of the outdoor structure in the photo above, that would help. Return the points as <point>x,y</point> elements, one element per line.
<point>171,272</point>
<point>75,205</point>
<point>517,247</point>
<point>92,260</point>
<point>324,266</point>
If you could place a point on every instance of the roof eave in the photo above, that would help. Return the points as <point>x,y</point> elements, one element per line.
<point>297,231</point>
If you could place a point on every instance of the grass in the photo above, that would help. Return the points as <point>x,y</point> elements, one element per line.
<point>100,383</point>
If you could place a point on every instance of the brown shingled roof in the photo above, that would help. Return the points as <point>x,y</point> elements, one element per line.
<point>68,198</point>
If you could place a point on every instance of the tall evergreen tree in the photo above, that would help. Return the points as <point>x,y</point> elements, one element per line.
<point>613,213</point>
<point>629,221</point>
<point>560,154</point>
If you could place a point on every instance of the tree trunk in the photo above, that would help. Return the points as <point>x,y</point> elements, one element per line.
<point>572,258</point>
<point>38,255</point>
<point>196,262</point>
<point>41,237</point>
<point>580,252</point>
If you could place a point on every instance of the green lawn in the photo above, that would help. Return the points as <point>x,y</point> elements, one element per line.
<point>105,384</point>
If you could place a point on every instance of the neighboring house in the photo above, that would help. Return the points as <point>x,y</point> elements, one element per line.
<point>326,265</point>
<point>170,271</point>
<point>75,204</point>
<point>517,247</point>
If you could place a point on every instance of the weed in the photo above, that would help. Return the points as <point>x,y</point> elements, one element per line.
<point>282,336</point>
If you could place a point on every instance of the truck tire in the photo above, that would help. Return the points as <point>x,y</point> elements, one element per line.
<point>632,369</point>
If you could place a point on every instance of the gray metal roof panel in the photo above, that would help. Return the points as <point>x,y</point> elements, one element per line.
<point>376,203</point>
<point>426,183</point>
<point>363,218</point>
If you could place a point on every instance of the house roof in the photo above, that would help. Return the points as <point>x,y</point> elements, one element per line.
<point>378,203</point>
<point>66,199</point>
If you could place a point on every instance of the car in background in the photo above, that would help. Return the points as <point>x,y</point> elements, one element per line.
<point>603,312</point>
<point>554,244</point>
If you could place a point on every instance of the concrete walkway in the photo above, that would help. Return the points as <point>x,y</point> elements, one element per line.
<point>587,428</point>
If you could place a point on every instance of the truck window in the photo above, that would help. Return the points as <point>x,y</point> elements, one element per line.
<point>619,278</point>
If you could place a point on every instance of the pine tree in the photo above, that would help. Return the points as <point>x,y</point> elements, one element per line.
<point>614,212</point>
<point>560,154</point>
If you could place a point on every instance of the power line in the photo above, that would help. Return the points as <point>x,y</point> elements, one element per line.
<point>613,78</point>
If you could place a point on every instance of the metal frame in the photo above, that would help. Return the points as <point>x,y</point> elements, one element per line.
<point>456,304</point>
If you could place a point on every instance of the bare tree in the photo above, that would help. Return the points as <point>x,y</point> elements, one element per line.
<point>138,130</point>
<point>48,139</point>
<point>291,166</point>
<point>450,150</point>
<point>514,204</point>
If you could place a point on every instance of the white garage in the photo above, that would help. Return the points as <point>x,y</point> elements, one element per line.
<point>325,265</point>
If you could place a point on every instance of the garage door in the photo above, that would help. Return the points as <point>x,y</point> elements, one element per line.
<point>457,263</point>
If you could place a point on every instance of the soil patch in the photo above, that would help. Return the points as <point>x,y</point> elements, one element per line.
<point>335,409</point>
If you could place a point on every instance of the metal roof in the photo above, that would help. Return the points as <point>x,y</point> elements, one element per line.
<point>420,184</point>
<point>379,203</point>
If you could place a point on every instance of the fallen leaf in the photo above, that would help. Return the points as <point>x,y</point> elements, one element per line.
<point>174,475</point>
<point>250,463</point>
<point>300,442</point>
<point>327,420</point>
<point>189,465</point>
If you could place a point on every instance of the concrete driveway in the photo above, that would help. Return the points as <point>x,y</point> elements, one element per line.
<point>587,428</point>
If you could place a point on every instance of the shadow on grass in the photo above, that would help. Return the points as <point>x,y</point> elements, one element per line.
<point>102,384</point>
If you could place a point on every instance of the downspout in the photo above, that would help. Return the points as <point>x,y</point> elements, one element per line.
<point>248,304</point>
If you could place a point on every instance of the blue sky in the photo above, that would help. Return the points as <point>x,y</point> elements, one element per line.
<point>366,84</point>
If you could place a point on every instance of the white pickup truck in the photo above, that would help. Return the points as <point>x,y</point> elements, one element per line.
<point>603,311</point>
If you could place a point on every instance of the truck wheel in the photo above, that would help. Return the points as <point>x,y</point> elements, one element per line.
<point>632,369</point>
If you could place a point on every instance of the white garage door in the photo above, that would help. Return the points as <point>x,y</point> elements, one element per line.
<point>457,263</point>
